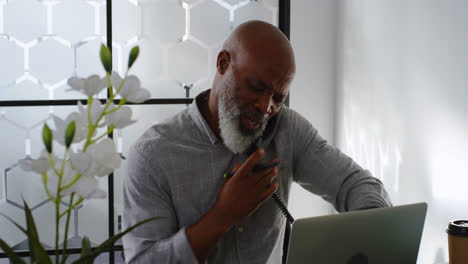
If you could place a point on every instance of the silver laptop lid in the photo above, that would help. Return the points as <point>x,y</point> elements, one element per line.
<point>380,236</point>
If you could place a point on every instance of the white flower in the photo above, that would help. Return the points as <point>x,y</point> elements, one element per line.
<point>86,187</point>
<point>89,86</point>
<point>39,165</point>
<point>81,127</point>
<point>131,89</point>
<point>120,118</point>
<point>96,111</point>
<point>99,160</point>
<point>116,80</point>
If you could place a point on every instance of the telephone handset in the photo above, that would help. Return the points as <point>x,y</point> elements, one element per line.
<point>260,143</point>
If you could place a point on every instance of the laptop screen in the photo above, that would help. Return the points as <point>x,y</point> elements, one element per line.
<point>383,235</point>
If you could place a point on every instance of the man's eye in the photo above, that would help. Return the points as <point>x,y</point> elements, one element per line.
<point>258,90</point>
<point>278,100</point>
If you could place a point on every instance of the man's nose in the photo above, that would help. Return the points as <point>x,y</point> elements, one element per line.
<point>265,104</point>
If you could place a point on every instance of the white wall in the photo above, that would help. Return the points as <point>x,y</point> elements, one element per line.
<point>313,37</point>
<point>402,108</point>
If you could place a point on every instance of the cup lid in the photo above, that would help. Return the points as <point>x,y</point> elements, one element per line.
<point>458,228</point>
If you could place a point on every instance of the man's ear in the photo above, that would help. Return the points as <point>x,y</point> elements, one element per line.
<point>223,61</point>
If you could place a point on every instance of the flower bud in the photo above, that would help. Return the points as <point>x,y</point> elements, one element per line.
<point>133,56</point>
<point>69,134</point>
<point>106,58</point>
<point>47,138</point>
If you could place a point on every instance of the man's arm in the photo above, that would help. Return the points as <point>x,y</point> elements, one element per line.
<point>145,196</point>
<point>160,241</point>
<point>326,171</point>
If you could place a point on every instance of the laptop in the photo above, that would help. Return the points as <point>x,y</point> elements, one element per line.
<point>380,236</point>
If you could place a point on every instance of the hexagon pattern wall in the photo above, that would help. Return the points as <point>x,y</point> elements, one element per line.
<point>43,43</point>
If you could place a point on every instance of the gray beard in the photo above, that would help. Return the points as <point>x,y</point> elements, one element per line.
<point>233,137</point>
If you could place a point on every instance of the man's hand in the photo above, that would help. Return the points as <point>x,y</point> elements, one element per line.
<point>239,197</point>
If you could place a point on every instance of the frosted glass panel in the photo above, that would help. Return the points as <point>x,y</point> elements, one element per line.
<point>180,39</point>
<point>76,15</point>
<point>188,62</point>
<point>50,54</point>
<point>249,10</point>
<point>202,26</point>
<point>42,44</point>
<point>33,22</point>
<point>22,127</point>
<point>12,68</point>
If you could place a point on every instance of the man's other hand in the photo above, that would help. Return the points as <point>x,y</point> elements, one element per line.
<point>239,197</point>
<point>242,194</point>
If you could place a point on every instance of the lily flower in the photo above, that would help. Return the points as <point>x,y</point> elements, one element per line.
<point>99,160</point>
<point>39,165</point>
<point>81,124</point>
<point>131,89</point>
<point>120,118</point>
<point>89,86</point>
<point>86,187</point>
<point>96,111</point>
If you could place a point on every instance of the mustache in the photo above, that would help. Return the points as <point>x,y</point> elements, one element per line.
<point>255,114</point>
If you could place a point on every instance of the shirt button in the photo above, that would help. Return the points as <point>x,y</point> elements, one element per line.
<point>240,229</point>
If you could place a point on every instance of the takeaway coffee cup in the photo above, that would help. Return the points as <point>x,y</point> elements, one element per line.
<point>458,241</point>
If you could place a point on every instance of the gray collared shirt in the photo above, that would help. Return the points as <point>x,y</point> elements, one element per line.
<point>176,168</point>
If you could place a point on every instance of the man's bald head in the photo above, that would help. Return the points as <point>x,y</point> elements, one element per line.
<point>254,71</point>
<point>258,40</point>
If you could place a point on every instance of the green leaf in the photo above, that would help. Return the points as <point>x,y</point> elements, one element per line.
<point>69,133</point>
<point>106,58</point>
<point>38,253</point>
<point>13,222</point>
<point>133,56</point>
<point>107,245</point>
<point>47,137</point>
<point>15,259</point>
<point>85,247</point>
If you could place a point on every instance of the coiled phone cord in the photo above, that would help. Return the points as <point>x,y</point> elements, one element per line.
<point>283,208</point>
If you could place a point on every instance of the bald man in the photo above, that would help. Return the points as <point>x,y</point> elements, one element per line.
<point>176,168</point>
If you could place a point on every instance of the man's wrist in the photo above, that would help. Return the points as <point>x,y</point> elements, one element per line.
<point>219,219</point>
<point>205,234</point>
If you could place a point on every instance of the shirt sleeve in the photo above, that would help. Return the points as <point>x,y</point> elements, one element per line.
<point>326,171</point>
<point>146,195</point>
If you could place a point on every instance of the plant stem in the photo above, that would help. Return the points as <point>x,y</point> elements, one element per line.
<point>71,207</point>
<point>77,177</point>
<point>111,128</point>
<point>123,81</point>
<point>64,249</point>
<point>90,122</point>
<point>92,127</point>
<point>52,164</point>
<point>57,203</point>
<point>44,180</point>
<point>62,169</point>
<point>121,103</point>
<point>57,222</point>
<point>109,84</point>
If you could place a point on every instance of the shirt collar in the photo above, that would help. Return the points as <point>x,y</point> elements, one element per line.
<point>198,119</point>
